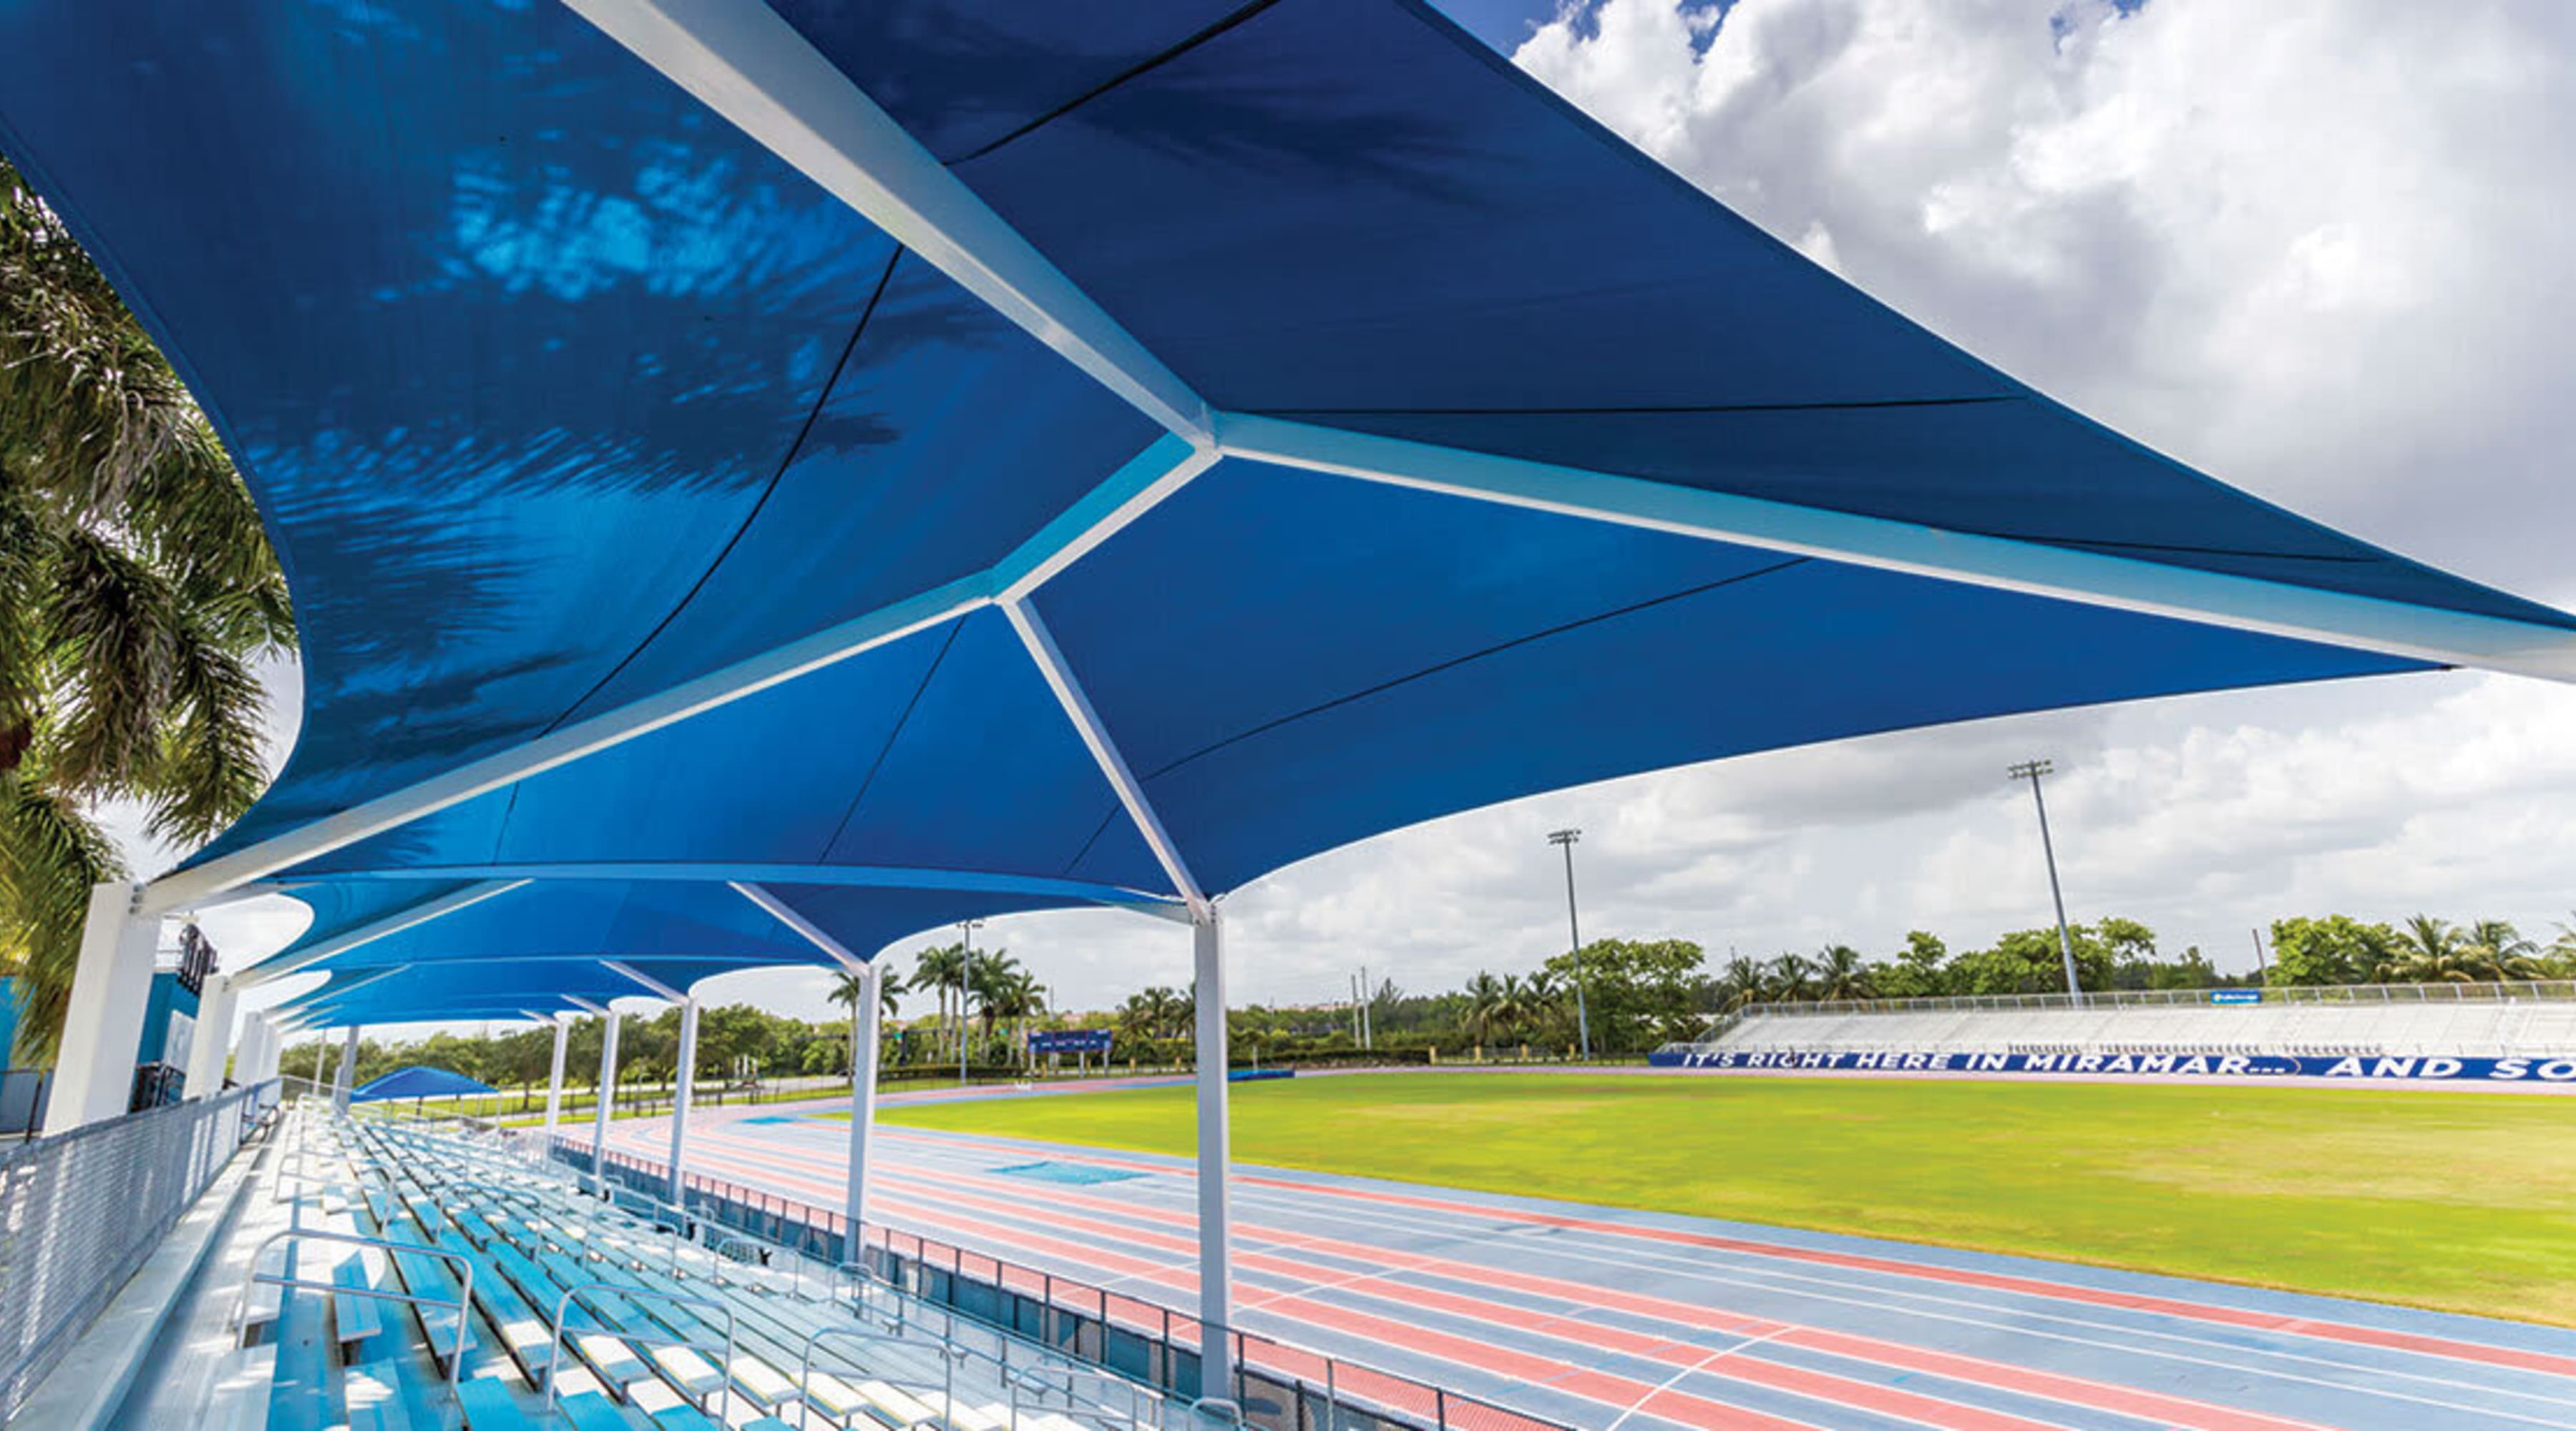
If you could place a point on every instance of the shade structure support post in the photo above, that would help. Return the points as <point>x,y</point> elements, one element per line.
<point>249,1051</point>
<point>214,1039</point>
<point>684,1075</point>
<point>863,1113</point>
<point>348,1082</point>
<point>262,1066</point>
<point>607,1101</point>
<point>554,1080</point>
<point>1216,1275</point>
<point>103,1028</point>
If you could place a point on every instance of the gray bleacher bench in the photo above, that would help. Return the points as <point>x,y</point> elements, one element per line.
<point>242,1384</point>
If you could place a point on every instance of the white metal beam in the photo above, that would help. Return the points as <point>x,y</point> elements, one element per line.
<point>704,872</point>
<point>324,1001</point>
<point>1138,487</point>
<point>652,984</point>
<point>198,884</point>
<point>2209,598</point>
<point>279,965</point>
<point>1104,751</point>
<point>811,932</point>
<point>743,61</point>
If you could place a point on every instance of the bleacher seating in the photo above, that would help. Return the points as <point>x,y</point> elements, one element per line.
<point>385,1243</point>
<point>2482,1028</point>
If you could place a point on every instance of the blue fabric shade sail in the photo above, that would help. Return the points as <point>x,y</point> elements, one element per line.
<point>418,1082</point>
<point>596,423</point>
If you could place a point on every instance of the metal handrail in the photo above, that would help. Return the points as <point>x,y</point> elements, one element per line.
<point>554,1345</point>
<point>464,1296</point>
<point>1139,1395</point>
<point>951,1355</point>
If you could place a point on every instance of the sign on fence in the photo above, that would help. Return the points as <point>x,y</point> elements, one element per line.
<point>2236,996</point>
<point>1070,1041</point>
<point>2144,1065</point>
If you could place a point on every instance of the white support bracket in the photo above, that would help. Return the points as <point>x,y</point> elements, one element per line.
<point>806,929</point>
<point>656,986</point>
<point>278,966</point>
<point>324,1001</point>
<point>1104,751</point>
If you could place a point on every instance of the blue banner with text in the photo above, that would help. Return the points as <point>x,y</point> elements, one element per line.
<point>2144,1065</point>
<point>1070,1041</point>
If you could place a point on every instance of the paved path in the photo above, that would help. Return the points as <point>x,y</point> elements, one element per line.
<point>1601,1316</point>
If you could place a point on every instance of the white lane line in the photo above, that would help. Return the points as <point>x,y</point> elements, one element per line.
<point>1765,1280</point>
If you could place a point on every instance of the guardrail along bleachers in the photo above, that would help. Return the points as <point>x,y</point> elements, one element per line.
<point>2487,1028</point>
<point>428,1279</point>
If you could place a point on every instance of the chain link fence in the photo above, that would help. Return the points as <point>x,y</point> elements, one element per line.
<point>80,1211</point>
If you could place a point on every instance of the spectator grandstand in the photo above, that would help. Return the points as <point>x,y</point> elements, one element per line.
<point>366,1254</point>
<point>2534,1022</point>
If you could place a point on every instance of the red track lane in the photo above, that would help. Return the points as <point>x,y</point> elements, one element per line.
<point>2101,1396</point>
<point>2347,1332</point>
<point>1617,1392</point>
<point>2174,1411</point>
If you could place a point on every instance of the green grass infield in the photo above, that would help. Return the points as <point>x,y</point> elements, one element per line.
<point>2459,1201</point>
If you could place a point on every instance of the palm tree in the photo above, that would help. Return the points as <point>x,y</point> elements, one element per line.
<point>1543,1003</point>
<point>1485,1001</point>
<point>940,968</point>
<point>2431,951</point>
<point>1841,973</point>
<point>2427,938</point>
<point>847,991</point>
<point>1739,984</point>
<point>1791,977</point>
<point>2502,951</point>
<point>137,591</point>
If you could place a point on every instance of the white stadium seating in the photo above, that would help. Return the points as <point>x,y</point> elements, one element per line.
<point>2485,1028</point>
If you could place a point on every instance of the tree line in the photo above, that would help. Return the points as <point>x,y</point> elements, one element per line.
<point>1634,996</point>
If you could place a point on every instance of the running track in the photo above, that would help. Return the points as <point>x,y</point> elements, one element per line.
<point>1598,1316</point>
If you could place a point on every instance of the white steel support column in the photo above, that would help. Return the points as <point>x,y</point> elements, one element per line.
<point>863,1111</point>
<point>348,1082</point>
<point>1216,1269</point>
<point>607,1101</point>
<point>103,1028</point>
<point>214,1038</point>
<point>250,1050</point>
<point>272,1048</point>
<point>554,1081</point>
<point>686,1074</point>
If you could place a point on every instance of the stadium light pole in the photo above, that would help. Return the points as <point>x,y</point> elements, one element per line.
<point>2032,770</point>
<point>1564,839</point>
<point>965,984</point>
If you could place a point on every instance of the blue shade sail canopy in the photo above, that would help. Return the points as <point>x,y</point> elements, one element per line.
<point>1031,457</point>
<point>417,1081</point>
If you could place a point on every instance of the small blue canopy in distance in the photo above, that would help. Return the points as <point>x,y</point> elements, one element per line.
<point>675,526</point>
<point>417,1081</point>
